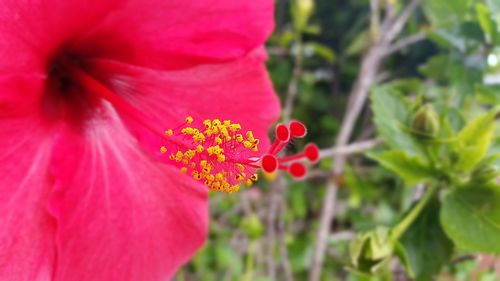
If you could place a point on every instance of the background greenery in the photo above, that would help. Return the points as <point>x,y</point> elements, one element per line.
<point>424,131</point>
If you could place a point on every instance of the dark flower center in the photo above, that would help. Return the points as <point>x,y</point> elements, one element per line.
<point>64,95</point>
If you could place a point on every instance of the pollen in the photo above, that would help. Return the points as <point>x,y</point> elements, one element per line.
<point>163,149</point>
<point>217,153</point>
<point>222,156</point>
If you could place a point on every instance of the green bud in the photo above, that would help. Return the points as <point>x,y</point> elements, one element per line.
<point>425,122</point>
<point>252,226</point>
<point>372,250</point>
<point>484,173</point>
<point>301,12</point>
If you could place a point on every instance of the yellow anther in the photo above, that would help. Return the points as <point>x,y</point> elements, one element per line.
<point>192,165</point>
<point>216,122</point>
<point>203,163</point>
<point>248,182</point>
<point>254,177</point>
<point>163,149</point>
<point>189,119</point>
<point>196,175</point>
<point>234,127</point>
<point>238,137</point>
<point>218,140</point>
<point>199,148</point>
<point>240,177</point>
<point>221,158</point>
<point>247,144</point>
<point>199,137</point>
<point>214,130</point>
<point>216,185</point>
<point>227,122</point>
<point>189,131</point>
<point>249,134</point>
<point>210,177</point>
<point>255,148</point>
<point>189,154</point>
<point>184,170</point>
<point>233,188</point>
<point>206,169</point>
<point>224,132</point>
<point>215,149</point>
<point>178,156</point>
<point>211,150</point>
<point>169,132</point>
<point>240,167</point>
<point>219,176</point>
<point>207,123</point>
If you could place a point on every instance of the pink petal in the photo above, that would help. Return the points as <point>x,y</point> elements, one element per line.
<point>154,33</point>
<point>179,33</point>
<point>120,214</point>
<point>31,31</point>
<point>240,91</point>
<point>27,248</point>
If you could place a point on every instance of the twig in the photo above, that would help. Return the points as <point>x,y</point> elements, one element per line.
<point>405,42</point>
<point>400,22</point>
<point>277,51</point>
<point>342,236</point>
<point>369,67</point>
<point>273,198</point>
<point>281,232</point>
<point>462,259</point>
<point>294,81</point>
<point>357,98</point>
<point>357,147</point>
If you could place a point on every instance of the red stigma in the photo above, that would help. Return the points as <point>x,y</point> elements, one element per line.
<point>270,162</point>
<point>297,170</point>
<point>298,129</point>
<point>282,133</point>
<point>312,152</point>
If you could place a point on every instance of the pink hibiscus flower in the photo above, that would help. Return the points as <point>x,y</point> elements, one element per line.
<point>84,89</point>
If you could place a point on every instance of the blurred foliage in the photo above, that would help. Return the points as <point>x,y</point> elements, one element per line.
<point>436,114</point>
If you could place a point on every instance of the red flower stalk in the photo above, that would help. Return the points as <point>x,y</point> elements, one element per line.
<point>85,91</point>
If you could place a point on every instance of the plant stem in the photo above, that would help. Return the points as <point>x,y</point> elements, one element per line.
<point>403,225</point>
<point>249,262</point>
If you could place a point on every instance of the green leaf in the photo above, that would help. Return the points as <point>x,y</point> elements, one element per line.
<point>471,218</point>
<point>436,67</point>
<point>445,13</point>
<point>412,169</point>
<point>390,111</point>
<point>488,94</point>
<point>426,245</point>
<point>474,140</point>
<point>488,25</point>
<point>322,51</point>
